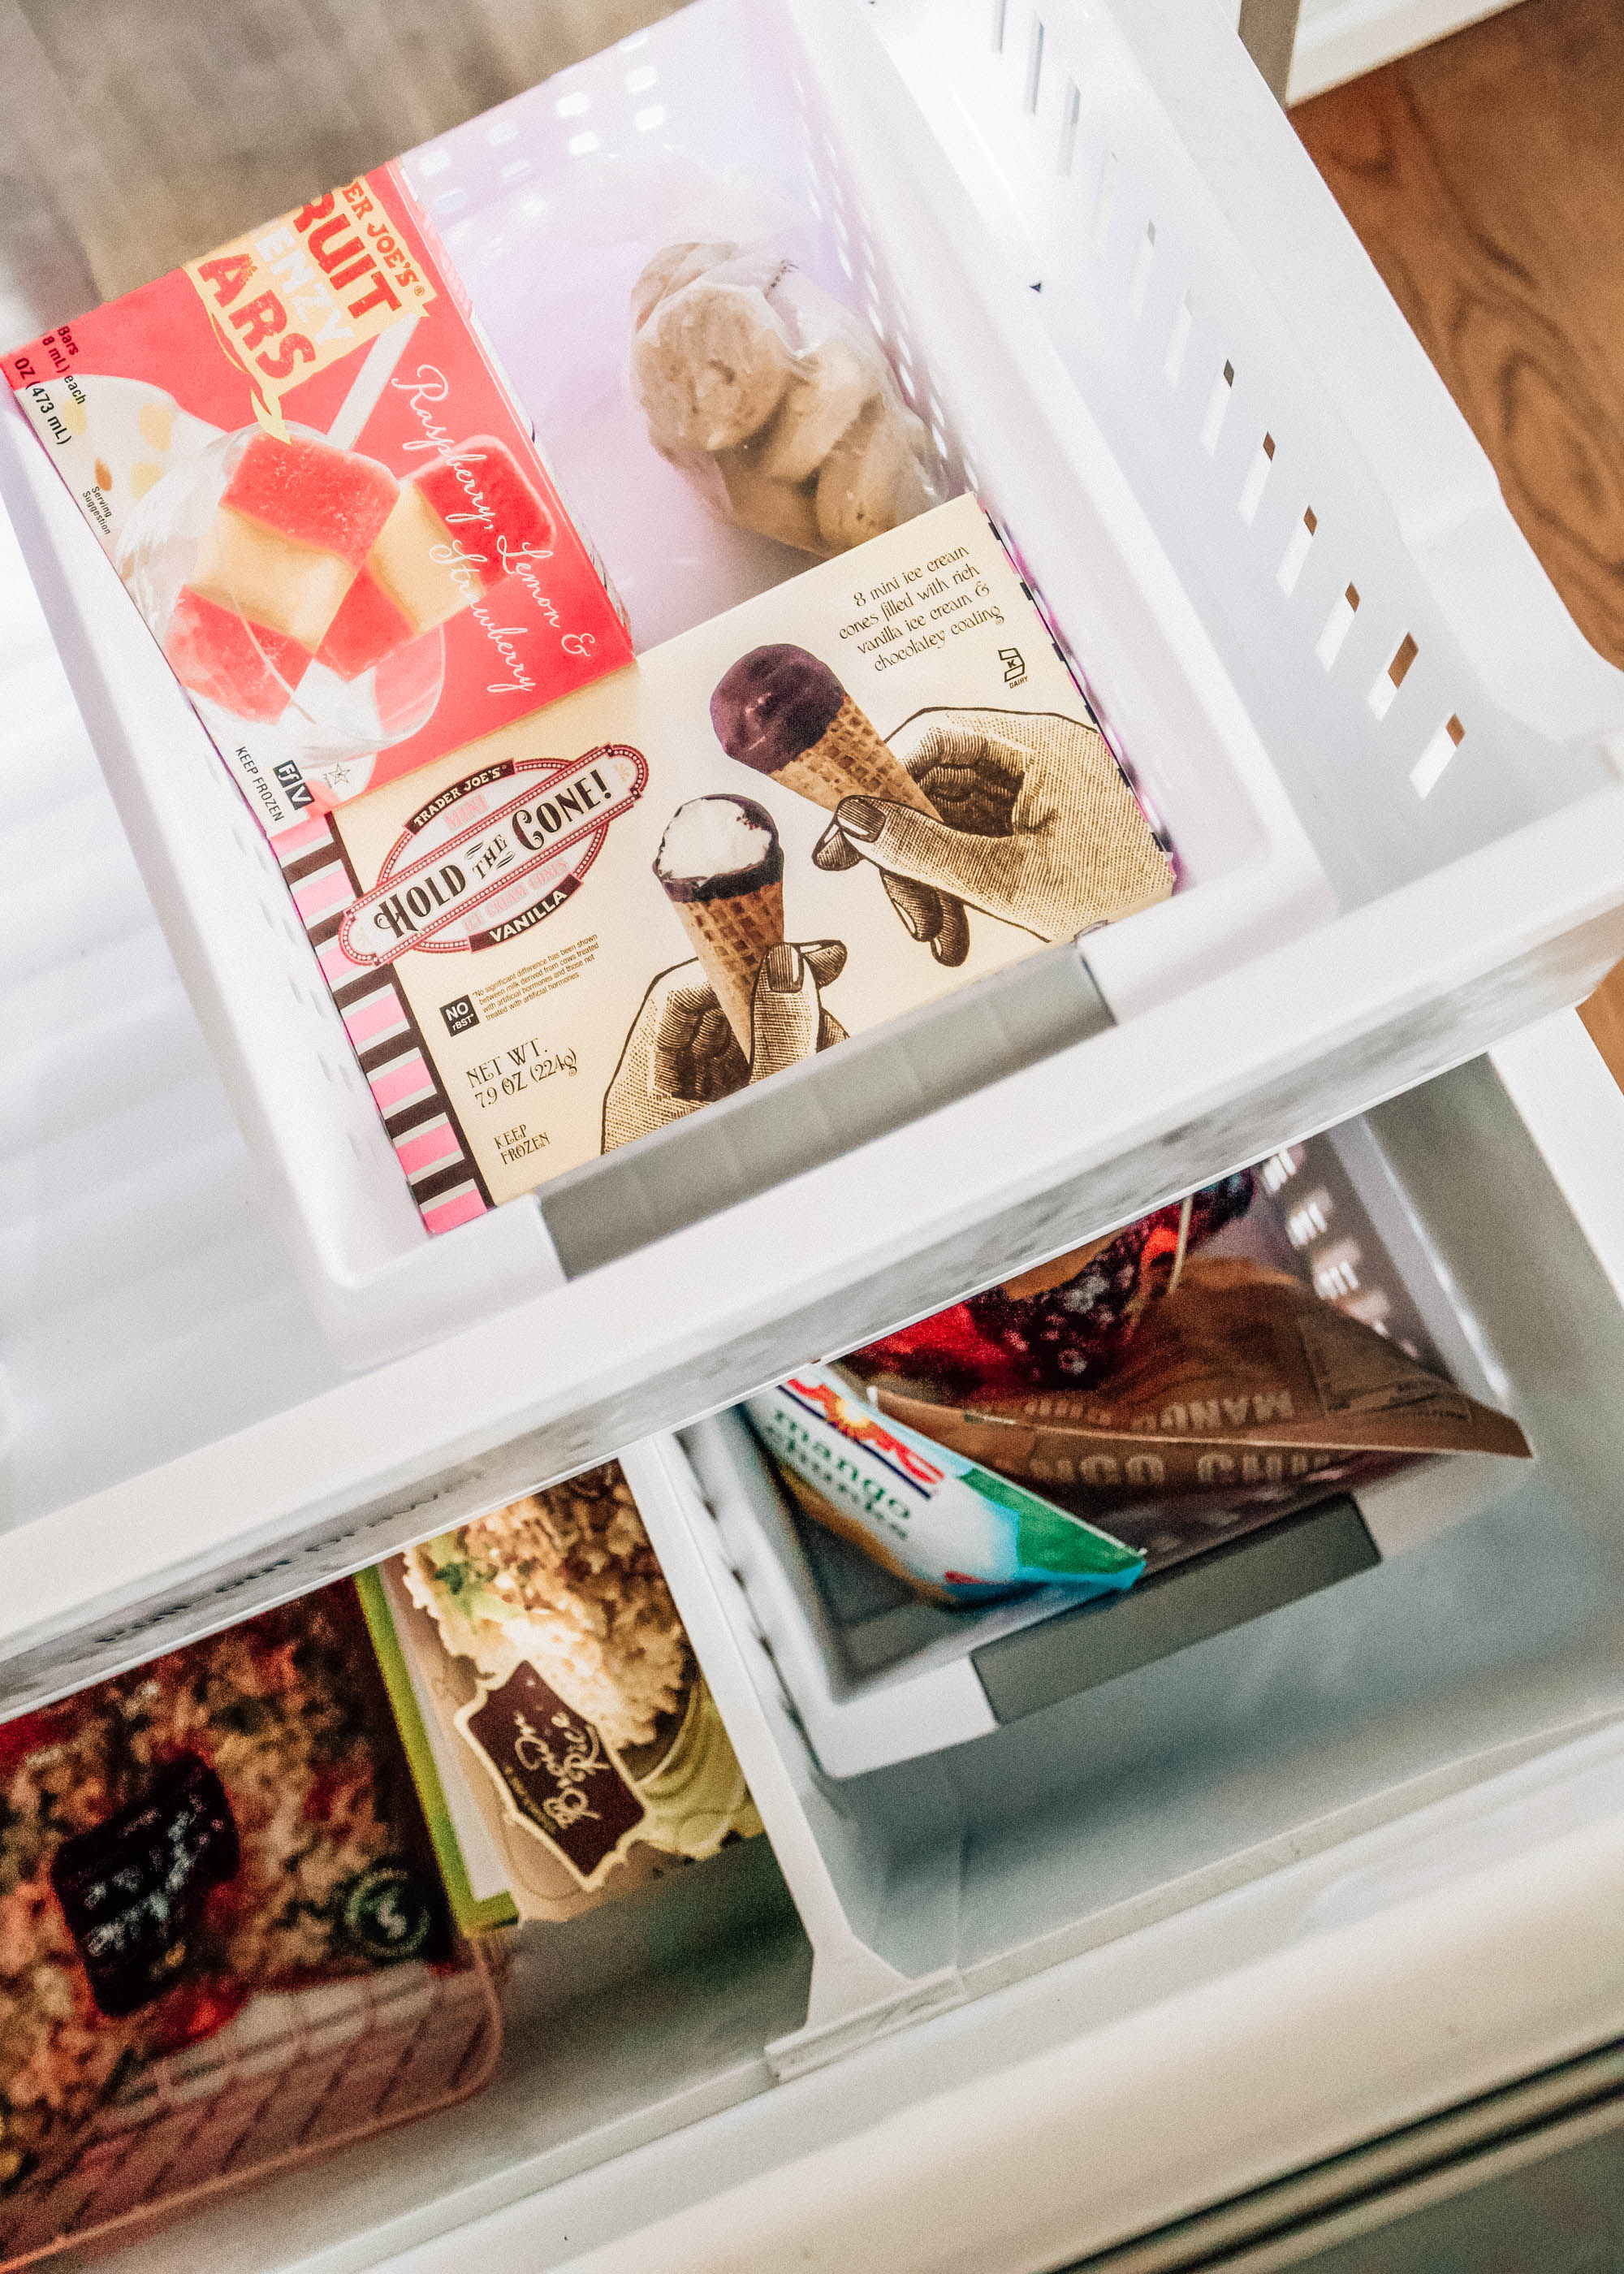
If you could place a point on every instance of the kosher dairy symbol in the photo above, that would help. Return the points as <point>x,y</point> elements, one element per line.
<point>493,855</point>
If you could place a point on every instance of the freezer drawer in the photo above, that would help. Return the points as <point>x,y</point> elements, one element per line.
<point>970,1863</point>
<point>877,1676</point>
<point>1394,836</point>
<point>174,1394</point>
<point>1233,2070</point>
<point>1178,1950</point>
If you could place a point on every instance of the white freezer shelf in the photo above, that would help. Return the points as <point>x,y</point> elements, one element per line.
<point>1134,1922</point>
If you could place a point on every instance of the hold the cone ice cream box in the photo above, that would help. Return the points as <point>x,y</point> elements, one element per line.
<point>828,806</point>
<point>309,473</point>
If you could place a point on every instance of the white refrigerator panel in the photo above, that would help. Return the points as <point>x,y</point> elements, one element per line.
<point>1326,1874</point>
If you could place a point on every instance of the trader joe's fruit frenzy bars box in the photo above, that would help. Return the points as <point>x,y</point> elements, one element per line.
<point>827,806</point>
<point>312,481</point>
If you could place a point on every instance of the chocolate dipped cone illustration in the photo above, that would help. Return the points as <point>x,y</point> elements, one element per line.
<point>782,711</point>
<point>722,868</point>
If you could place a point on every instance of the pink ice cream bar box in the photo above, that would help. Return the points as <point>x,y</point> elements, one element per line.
<point>315,487</point>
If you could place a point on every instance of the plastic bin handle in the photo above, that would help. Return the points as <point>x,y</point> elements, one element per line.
<point>822,1108</point>
<point>1022,1673</point>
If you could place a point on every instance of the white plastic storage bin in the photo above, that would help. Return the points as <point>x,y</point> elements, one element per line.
<point>876,1675</point>
<point>1484,1633</point>
<point>1392,853</point>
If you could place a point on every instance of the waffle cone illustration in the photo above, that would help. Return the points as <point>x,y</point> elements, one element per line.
<point>731,937</point>
<point>722,868</point>
<point>784,713</point>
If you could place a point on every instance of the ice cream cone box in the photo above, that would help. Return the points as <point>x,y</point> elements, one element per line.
<point>311,476</point>
<point>827,808</point>
<point>565,1746</point>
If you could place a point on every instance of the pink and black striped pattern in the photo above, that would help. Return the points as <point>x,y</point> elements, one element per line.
<point>427,1138</point>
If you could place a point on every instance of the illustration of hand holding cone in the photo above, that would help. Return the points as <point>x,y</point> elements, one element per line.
<point>750,1005</point>
<point>783,713</point>
<point>1024,815</point>
<point>1027,815</point>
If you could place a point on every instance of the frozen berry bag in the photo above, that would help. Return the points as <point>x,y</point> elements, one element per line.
<point>1066,1320</point>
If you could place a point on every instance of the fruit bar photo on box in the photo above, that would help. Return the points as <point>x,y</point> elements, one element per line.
<point>312,479</point>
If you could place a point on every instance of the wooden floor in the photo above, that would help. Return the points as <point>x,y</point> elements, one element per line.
<point>135,134</point>
<point>1485,178</point>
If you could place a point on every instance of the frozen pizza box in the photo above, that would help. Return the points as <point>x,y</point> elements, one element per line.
<point>307,469</point>
<point>828,806</point>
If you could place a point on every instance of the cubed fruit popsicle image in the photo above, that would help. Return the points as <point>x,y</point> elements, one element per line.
<point>275,562</point>
<point>721,866</point>
<point>296,521</point>
<point>456,529</point>
<point>315,553</point>
<point>245,668</point>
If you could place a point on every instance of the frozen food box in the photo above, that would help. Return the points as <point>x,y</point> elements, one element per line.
<point>824,808</point>
<point>566,1746</point>
<point>187,1850</point>
<point>955,1532</point>
<point>311,476</point>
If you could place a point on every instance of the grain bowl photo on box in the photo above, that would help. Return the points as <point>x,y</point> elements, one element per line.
<point>225,1947</point>
<point>825,808</point>
<point>566,1746</point>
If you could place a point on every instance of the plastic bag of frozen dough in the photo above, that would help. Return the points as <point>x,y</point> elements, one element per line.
<point>775,401</point>
<point>951,1529</point>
